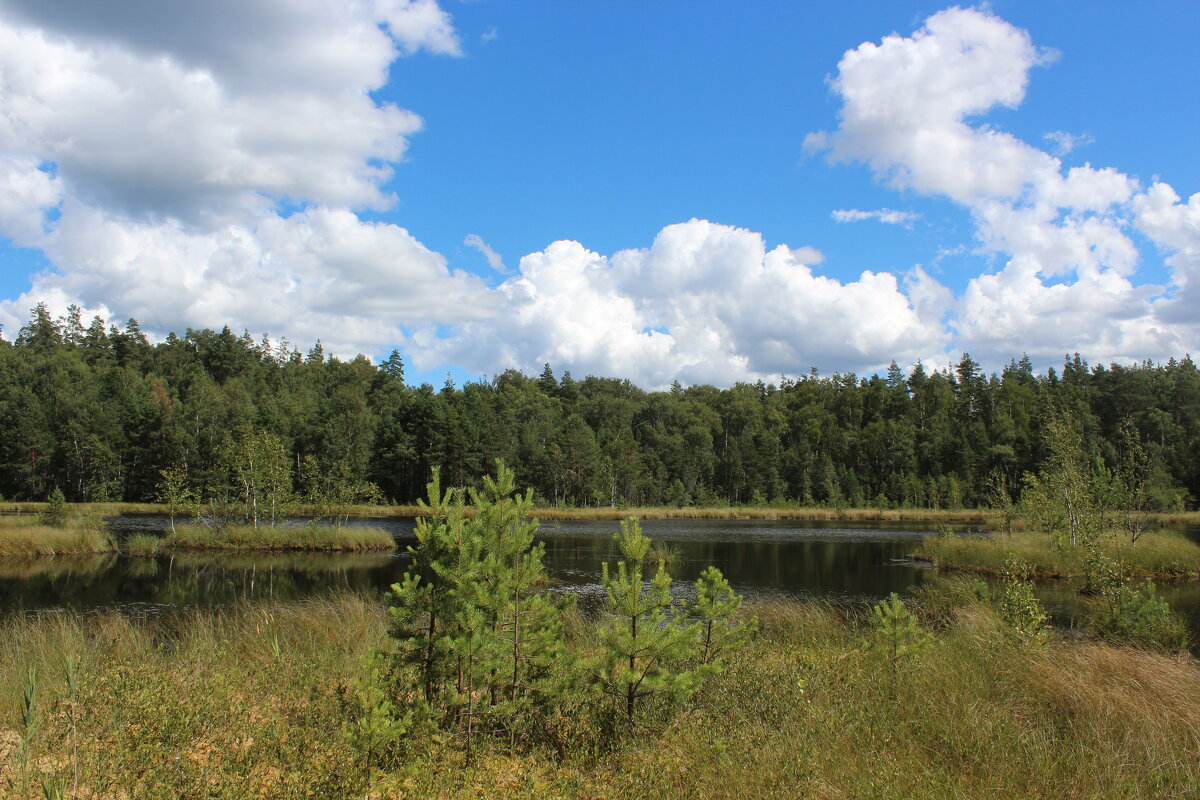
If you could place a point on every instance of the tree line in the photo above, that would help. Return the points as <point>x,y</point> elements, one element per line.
<point>100,413</point>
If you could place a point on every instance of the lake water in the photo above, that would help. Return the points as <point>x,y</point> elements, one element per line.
<point>859,563</point>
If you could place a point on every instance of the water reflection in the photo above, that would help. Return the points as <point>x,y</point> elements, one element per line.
<point>760,558</point>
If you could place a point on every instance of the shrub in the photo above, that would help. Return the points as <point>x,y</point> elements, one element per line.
<point>1136,615</point>
<point>1018,605</point>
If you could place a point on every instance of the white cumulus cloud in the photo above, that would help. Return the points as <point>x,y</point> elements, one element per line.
<point>152,152</point>
<point>704,303</point>
<point>912,109</point>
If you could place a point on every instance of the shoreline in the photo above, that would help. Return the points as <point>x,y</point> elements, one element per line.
<point>975,516</point>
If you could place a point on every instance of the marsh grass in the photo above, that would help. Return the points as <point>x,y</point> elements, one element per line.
<point>277,537</point>
<point>246,702</point>
<point>27,536</point>
<point>1157,554</point>
<point>142,545</point>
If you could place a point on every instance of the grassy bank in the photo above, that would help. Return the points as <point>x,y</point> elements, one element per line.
<point>248,703</point>
<point>276,537</point>
<point>26,536</point>
<point>1163,555</point>
<point>977,516</point>
<point>974,516</point>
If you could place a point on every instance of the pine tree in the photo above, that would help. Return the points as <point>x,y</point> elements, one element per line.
<point>646,641</point>
<point>716,608</point>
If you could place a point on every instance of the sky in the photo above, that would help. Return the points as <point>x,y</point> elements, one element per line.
<point>705,191</point>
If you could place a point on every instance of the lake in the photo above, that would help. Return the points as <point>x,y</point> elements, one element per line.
<point>862,562</point>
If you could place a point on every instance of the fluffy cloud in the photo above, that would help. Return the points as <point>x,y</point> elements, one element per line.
<point>151,152</point>
<point>911,109</point>
<point>321,273</point>
<point>704,303</point>
<point>212,169</point>
<point>708,302</point>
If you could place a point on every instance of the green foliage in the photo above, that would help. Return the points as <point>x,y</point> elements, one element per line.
<point>1018,605</point>
<point>175,493</point>
<point>896,632</point>
<point>334,491</point>
<point>100,412</point>
<point>716,609</point>
<point>646,638</point>
<point>260,476</point>
<point>374,725</point>
<point>473,631</point>
<point>1062,497</point>
<point>55,515</point>
<point>1132,614</point>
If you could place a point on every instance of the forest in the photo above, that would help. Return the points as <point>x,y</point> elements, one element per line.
<point>102,414</point>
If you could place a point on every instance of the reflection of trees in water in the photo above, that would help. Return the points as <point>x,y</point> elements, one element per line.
<point>798,566</point>
<point>802,567</point>
<point>192,579</point>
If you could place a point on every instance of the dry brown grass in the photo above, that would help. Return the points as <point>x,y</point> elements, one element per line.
<point>244,702</point>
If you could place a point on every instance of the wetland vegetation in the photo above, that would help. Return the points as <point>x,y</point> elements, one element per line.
<point>271,700</point>
<point>476,677</point>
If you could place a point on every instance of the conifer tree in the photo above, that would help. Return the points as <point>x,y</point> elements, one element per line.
<point>646,641</point>
<point>716,609</point>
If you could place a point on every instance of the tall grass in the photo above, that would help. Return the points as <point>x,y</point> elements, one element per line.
<point>144,545</point>
<point>277,537</point>
<point>27,536</point>
<point>1156,554</point>
<point>246,702</point>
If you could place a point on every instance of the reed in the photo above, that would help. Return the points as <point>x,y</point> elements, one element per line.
<point>26,536</point>
<point>278,537</point>
<point>143,545</point>
<point>1157,554</point>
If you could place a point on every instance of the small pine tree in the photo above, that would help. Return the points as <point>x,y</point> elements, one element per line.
<point>423,605</point>
<point>374,724</point>
<point>898,634</point>
<point>716,608</point>
<point>55,514</point>
<point>646,641</point>
<point>472,630</point>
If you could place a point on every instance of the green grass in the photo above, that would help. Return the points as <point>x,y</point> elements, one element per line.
<point>246,703</point>
<point>277,537</point>
<point>144,545</point>
<point>1157,554</point>
<point>26,536</point>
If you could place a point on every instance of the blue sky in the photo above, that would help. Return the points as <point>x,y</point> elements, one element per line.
<point>313,169</point>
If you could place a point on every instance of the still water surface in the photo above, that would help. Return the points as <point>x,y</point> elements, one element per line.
<point>760,558</point>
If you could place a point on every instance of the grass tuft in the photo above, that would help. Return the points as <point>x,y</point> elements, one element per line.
<point>278,537</point>
<point>144,545</point>
<point>26,536</point>
<point>1162,555</point>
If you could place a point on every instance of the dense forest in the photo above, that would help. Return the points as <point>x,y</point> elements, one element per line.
<point>101,413</point>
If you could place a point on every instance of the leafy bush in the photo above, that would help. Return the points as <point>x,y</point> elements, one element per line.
<point>1136,615</point>
<point>1018,605</point>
